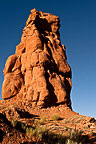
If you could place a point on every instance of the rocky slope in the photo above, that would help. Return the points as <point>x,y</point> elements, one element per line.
<point>32,125</point>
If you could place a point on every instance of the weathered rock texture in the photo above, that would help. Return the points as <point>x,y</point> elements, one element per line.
<point>39,70</point>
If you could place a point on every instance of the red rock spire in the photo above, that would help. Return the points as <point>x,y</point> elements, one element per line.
<point>39,70</point>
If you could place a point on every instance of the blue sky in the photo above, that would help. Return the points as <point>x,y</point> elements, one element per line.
<point>78,33</point>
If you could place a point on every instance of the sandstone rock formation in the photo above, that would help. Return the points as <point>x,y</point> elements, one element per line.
<point>39,70</point>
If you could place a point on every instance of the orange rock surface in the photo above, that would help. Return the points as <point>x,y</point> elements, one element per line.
<point>39,70</point>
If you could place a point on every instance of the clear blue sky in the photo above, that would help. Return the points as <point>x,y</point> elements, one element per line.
<point>78,33</point>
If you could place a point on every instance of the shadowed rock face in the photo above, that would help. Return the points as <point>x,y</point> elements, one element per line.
<point>39,70</point>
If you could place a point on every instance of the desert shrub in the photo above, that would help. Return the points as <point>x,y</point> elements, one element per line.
<point>19,125</point>
<point>75,136</point>
<point>36,122</point>
<point>29,131</point>
<point>55,117</point>
<point>13,123</point>
<point>36,132</point>
<point>40,122</point>
<point>69,141</point>
<point>23,126</point>
<point>52,138</point>
<point>43,120</point>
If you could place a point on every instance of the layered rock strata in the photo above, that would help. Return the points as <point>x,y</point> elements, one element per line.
<point>39,70</point>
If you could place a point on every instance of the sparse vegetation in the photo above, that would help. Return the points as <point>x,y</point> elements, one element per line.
<point>43,119</point>
<point>36,132</point>
<point>23,126</point>
<point>42,135</point>
<point>13,123</point>
<point>37,122</point>
<point>75,136</point>
<point>55,117</point>
<point>29,131</point>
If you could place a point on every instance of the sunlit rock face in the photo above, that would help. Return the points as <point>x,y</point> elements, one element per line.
<point>39,70</point>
